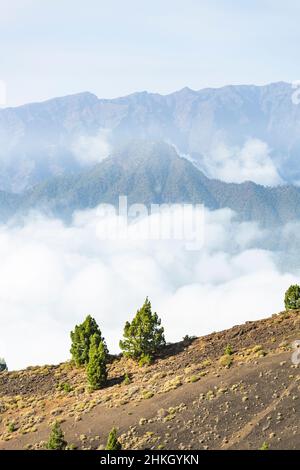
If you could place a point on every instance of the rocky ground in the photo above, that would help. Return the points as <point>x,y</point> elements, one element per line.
<point>193,397</point>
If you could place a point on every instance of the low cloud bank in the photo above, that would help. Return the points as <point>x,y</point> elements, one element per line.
<point>251,162</point>
<point>52,276</point>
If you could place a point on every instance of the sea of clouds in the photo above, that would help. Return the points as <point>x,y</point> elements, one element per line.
<point>52,275</point>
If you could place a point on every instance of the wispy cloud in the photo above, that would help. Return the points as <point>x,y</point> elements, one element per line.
<point>251,162</point>
<point>89,149</point>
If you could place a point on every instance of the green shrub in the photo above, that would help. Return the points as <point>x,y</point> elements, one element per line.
<point>228,350</point>
<point>194,378</point>
<point>143,336</point>
<point>56,439</point>
<point>145,360</point>
<point>265,446</point>
<point>126,380</point>
<point>226,361</point>
<point>188,339</point>
<point>148,394</point>
<point>292,298</point>
<point>71,447</point>
<point>11,427</point>
<point>112,441</point>
<point>65,386</point>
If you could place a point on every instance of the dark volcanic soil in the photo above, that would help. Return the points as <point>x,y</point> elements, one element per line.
<point>192,397</point>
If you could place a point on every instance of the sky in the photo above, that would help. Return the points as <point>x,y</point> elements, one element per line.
<point>56,47</point>
<point>53,48</point>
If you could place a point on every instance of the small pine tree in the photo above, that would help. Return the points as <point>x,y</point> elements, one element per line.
<point>292,297</point>
<point>96,368</point>
<point>3,365</point>
<point>265,446</point>
<point>228,350</point>
<point>81,340</point>
<point>56,439</point>
<point>144,335</point>
<point>127,379</point>
<point>112,442</point>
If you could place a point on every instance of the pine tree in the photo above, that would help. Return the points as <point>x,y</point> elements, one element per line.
<point>96,367</point>
<point>56,439</point>
<point>3,365</point>
<point>112,441</point>
<point>144,335</point>
<point>81,340</point>
<point>292,298</point>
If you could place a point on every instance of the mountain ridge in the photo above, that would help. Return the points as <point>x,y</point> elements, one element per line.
<point>153,173</point>
<point>37,140</point>
<point>92,95</point>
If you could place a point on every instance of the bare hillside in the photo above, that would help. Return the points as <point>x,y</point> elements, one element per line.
<point>192,397</point>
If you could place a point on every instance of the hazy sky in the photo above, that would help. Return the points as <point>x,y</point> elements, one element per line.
<point>56,47</point>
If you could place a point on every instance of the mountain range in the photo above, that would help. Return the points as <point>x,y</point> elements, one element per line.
<point>42,140</point>
<point>151,172</point>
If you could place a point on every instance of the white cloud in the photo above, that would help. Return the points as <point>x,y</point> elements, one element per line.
<point>252,162</point>
<point>92,149</point>
<point>52,276</point>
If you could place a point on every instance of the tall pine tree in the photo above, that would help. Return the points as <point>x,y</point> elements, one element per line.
<point>143,336</point>
<point>292,298</point>
<point>81,340</point>
<point>96,368</point>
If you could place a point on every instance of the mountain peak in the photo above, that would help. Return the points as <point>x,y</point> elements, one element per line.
<point>186,91</point>
<point>83,97</point>
<point>147,148</point>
